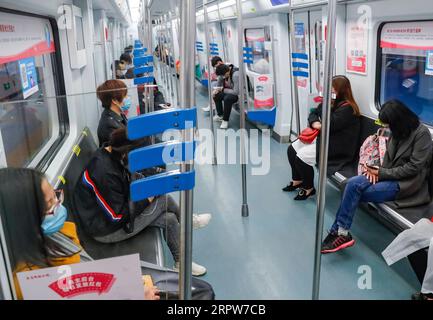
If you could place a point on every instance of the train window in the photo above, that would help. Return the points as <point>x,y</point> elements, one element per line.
<point>404,66</point>
<point>32,120</point>
<point>257,39</point>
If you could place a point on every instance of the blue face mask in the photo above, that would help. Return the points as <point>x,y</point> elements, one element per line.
<point>53,223</point>
<point>126,104</point>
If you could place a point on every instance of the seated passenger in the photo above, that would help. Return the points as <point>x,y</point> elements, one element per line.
<point>344,132</point>
<point>113,96</point>
<point>226,91</point>
<point>215,62</point>
<point>403,176</point>
<point>409,242</point>
<point>34,218</point>
<point>102,200</point>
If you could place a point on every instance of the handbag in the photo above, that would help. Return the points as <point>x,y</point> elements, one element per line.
<point>308,135</point>
<point>372,151</point>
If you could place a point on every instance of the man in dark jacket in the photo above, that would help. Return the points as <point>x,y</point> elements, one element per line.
<point>112,94</point>
<point>226,91</point>
<point>102,200</point>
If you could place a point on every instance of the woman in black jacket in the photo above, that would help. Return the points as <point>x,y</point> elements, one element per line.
<point>102,199</point>
<point>344,134</point>
<point>402,177</point>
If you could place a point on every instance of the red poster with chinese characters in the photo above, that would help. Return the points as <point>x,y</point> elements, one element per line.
<point>108,279</point>
<point>357,48</point>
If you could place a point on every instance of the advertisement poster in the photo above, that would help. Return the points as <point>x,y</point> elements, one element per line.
<point>429,63</point>
<point>29,77</point>
<point>357,48</point>
<point>407,35</point>
<point>107,279</point>
<point>263,91</point>
<point>300,38</point>
<point>23,37</point>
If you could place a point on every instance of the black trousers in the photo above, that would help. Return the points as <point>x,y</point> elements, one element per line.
<point>418,261</point>
<point>300,170</point>
<point>229,100</point>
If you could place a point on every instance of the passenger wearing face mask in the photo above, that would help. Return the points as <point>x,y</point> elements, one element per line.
<point>226,92</point>
<point>344,135</point>
<point>36,231</point>
<point>403,178</point>
<point>113,95</point>
<point>102,200</point>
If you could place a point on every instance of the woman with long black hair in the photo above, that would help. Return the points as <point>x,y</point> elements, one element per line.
<point>34,223</point>
<point>401,178</point>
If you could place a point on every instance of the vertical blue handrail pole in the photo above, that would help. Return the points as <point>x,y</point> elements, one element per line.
<point>245,209</point>
<point>209,78</point>
<point>187,100</point>
<point>324,142</point>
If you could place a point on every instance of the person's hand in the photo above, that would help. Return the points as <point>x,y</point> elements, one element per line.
<point>372,174</point>
<point>317,125</point>
<point>151,293</point>
<point>215,92</point>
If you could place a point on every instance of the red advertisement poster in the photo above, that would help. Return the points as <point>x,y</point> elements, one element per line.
<point>357,48</point>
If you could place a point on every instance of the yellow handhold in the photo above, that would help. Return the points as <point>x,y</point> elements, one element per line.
<point>76,149</point>
<point>62,179</point>
<point>85,133</point>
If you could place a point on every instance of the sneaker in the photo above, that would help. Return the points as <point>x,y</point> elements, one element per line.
<point>217,118</point>
<point>201,220</point>
<point>224,125</point>
<point>334,242</point>
<point>206,109</point>
<point>197,270</point>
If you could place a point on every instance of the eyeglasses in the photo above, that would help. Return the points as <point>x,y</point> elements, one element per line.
<point>60,197</point>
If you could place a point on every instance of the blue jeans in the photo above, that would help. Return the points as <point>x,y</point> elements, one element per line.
<point>359,189</point>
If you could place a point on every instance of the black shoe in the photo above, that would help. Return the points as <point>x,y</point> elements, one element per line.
<point>334,242</point>
<point>291,187</point>
<point>302,195</point>
<point>422,296</point>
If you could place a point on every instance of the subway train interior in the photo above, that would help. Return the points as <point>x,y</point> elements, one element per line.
<point>219,149</point>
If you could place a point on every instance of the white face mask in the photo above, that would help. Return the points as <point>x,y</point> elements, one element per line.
<point>334,96</point>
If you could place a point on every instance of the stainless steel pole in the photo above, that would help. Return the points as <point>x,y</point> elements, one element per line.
<point>295,91</point>
<point>167,56</point>
<point>324,142</point>
<point>209,80</point>
<point>245,209</point>
<point>150,44</point>
<point>222,32</point>
<point>187,100</point>
<point>170,55</point>
<point>176,81</point>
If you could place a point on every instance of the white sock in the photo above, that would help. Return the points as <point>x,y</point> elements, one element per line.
<point>342,232</point>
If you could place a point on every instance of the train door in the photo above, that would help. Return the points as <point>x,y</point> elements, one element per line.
<point>308,34</point>
<point>216,37</point>
<point>230,39</point>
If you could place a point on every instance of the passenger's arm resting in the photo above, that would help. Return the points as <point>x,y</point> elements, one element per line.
<point>421,153</point>
<point>113,186</point>
<point>315,115</point>
<point>235,90</point>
